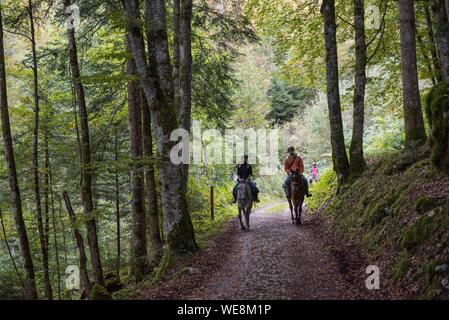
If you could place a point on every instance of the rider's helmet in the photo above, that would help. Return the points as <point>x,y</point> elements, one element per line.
<point>290,149</point>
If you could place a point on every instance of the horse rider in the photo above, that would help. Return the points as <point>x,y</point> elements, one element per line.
<point>244,171</point>
<point>294,163</point>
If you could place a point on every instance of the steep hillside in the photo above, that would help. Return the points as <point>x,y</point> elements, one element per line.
<point>397,214</point>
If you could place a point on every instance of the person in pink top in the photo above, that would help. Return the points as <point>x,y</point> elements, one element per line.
<point>314,173</point>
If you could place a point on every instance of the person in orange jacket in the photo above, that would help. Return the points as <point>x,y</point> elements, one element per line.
<point>294,162</point>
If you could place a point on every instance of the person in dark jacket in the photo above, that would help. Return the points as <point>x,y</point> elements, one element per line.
<point>244,171</point>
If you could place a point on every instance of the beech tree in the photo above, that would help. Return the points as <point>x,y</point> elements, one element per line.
<point>339,156</point>
<point>30,281</point>
<point>414,124</point>
<point>86,183</point>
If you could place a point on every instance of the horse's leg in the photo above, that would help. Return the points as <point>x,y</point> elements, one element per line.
<point>291,208</point>
<point>295,209</point>
<point>240,218</point>
<point>247,212</point>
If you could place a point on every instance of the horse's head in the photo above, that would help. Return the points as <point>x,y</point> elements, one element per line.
<point>242,190</point>
<point>295,175</point>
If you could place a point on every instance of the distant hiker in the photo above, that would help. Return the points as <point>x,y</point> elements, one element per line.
<point>294,163</point>
<point>244,172</point>
<point>314,175</point>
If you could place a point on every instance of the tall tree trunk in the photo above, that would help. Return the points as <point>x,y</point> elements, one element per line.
<point>117,207</point>
<point>177,223</point>
<point>432,47</point>
<point>19,276</point>
<point>86,184</point>
<point>186,73</point>
<point>139,247</point>
<point>442,35</point>
<point>30,282</point>
<point>186,63</point>
<point>55,244</point>
<point>36,180</point>
<point>154,234</point>
<point>357,160</point>
<point>447,8</point>
<point>53,214</point>
<point>46,191</point>
<point>339,156</point>
<point>414,124</point>
<point>80,244</point>
<point>177,54</point>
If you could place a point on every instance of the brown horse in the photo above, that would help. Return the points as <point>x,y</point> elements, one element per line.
<point>297,192</point>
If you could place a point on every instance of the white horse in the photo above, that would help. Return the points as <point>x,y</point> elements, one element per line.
<point>245,202</point>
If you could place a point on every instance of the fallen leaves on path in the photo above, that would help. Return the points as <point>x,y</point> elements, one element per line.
<point>274,260</point>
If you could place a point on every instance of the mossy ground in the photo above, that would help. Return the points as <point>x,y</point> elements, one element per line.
<point>397,212</point>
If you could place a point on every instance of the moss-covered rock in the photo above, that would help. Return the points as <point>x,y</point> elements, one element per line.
<point>401,269</point>
<point>112,283</point>
<point>99,293</point>
<point>437,111</point>
<point>418,232</point>
<point>432,279</point>
<point>124,294</point>
<point>427,203</point>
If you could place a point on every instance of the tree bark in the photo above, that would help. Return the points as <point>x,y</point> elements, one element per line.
<point>339,156</point>
<point>46,191</point>
<point>86,170</point>
<point>154,234</point>
<point>140,254</point>
<point>80,244</point>
<point>442,35</point>
<point>35,165</point>
<point>30,282</point>
<point>117,207</point>
<point>177,54</point>
<point>177,223</point>
<point>447,8</point>
<point>432,47</point>
<point>415,134</point>
<point>186,74</point>
<point>357,160</point>
<point>53,215</point>
<point>19,276</point>
<point>186,63</point>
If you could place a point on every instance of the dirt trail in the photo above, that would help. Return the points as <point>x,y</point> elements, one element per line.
<point>274,260</point>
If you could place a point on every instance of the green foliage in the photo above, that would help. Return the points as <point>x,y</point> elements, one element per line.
<point>323,190</point>
<point>286,101</point>
<point>253,72</point>
<point>200,206</point>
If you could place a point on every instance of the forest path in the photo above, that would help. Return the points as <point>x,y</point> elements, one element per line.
<point>274,260</point>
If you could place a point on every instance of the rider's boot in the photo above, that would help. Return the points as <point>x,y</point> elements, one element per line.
<point>256,197</point>
<point>234,200</point>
